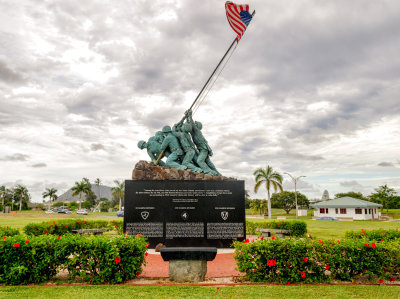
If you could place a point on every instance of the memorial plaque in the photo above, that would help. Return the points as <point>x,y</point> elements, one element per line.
<point>185,213</point>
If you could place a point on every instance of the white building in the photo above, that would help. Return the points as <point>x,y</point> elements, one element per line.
<point>347,208</point>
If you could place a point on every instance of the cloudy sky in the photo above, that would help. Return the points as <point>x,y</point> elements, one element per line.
<point>312,89</point>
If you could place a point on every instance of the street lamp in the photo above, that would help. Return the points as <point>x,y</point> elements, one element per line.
<point>295,179</point>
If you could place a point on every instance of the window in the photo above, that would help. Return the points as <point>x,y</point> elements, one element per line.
<point>358,211</point>
<point>369,211</point>
<point>366,211</point>
<point>375,210</point>
<point>326,211</point>
<point>342,211</point>
<point>322,211</point>
<point>336,211</point>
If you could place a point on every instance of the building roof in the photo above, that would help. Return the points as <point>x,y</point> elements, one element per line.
<point>346,202</point>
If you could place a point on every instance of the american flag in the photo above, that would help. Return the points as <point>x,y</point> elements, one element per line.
<point>238,17</point>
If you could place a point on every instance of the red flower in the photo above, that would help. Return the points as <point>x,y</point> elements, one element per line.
<point>54,222</point>
<point>113,221</point>
<point>45,233</point>
<point>16,245</point>
<point>327,267</point>
<point>288,283</point>
<point>320,241</point>
<point>338,241</point>
<point>303,274</point>
<point>59,237</point>
<point>380,280</point>
<point>366,245</point>
<point>262,238</point>
<point>4,237</point>
<point>273,238</point>
<point>305,260</point>
<point>66,225</point>
<point>27,241</point>
<point>115,226</point>
<point>332,243</point>
<point>391,278</point>
<point>84,222</point>
<point>373,245</point>
<point>246,241</point>
<point>117,260</point>
<point>382,240</point>
<point>147,245</point>
<point>146,254</point>
<point>51,225</point>
<point>271,263</point>
<point>79,222</point>
<point>138,235</point>
<point>137,274</point>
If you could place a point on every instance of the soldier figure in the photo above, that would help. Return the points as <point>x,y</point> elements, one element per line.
<point>171,142</point>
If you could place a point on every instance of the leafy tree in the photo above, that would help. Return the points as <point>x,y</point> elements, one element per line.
<point>247,199</point>
<point>118,192</point>
<point>87,204</point>
<point>79,188</point>
<point>268,177</point>
<point>57,204</point>
<point>51,194</point>
<point>90,195</point>
<point>98,183</point>
<point>3,194</point>
<point>73,205</point>
<point>351,194</point>
<point>258,205</point>
<point>21,194</point>
<point>105,204</point>
<point>383,195</point>
<point>286,200</point>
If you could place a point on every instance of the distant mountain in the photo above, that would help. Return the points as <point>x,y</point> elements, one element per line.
<point>100,191</point>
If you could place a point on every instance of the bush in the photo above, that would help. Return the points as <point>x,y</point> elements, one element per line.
<point>374,235</point>
<point>298,228</point>
<point>6,231</point>
<point>62,227</point>
<point>96,259</point>
<point>304,260</point>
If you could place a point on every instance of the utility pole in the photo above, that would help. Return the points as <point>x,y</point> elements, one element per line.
<point>295,179</point>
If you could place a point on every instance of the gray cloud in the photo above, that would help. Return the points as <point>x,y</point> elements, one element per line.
<point>350,184</point>
<point>15,157</point>
<point>39,165</point>
<point>386,164</point>
<point>96,147</point>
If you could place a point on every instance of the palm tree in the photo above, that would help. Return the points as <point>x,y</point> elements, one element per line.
<point>119,192</point>
<point>269,177</point>
<point>3,191</point>
<point>79,188</point>
<point>21,192</point>
<point>51,194</point>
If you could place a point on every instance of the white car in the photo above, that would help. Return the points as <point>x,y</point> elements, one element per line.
<point>82,212</point>
<point>49,212</point>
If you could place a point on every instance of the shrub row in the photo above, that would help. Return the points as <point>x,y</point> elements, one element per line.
<point>96,259</point>
<point>8,231</point>
<point>304,260</point>
<point>374,235</point>
<point>61,227</point>
<point>298,228</point>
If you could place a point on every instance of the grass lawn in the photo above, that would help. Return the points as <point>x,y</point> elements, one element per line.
<point>337,229</point>
<point>19,220</point>
<point>125,291</point>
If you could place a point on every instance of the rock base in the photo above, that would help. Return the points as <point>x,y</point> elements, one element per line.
<point>149,171</point>
<point>187,270</point>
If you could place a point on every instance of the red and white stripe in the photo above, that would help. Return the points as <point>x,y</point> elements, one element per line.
<point>233,14</point>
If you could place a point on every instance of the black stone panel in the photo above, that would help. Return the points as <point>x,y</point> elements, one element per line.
<point>188,253</point>
<point>185,213</point>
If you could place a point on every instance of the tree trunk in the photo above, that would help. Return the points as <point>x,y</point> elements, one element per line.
<point>20,204</point>
<point>120,203</point>
<point>80,200</point>
<point>269,205</point>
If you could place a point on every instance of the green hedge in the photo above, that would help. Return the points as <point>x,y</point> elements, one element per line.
<point>61,227</point>
<point>298,228</point>
<point>304,260</point>
<point>374,235</point>
<point>6,231</point>
<point>96,259</point>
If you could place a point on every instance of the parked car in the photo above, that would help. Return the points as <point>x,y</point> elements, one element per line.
<point>49,212</point>
<point>120,214</point>
<point>328,218</point>
<point>64,211</point>
<point>82,212</point>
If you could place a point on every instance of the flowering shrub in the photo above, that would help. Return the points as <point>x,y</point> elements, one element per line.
<point>374,235</point>
<point>61,227</point>
<point>308,261</point>
<point>96,259</point>
<point>6,231</point>
<point>298,228</point>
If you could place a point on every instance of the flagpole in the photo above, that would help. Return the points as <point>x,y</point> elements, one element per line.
<point>209,79</point>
